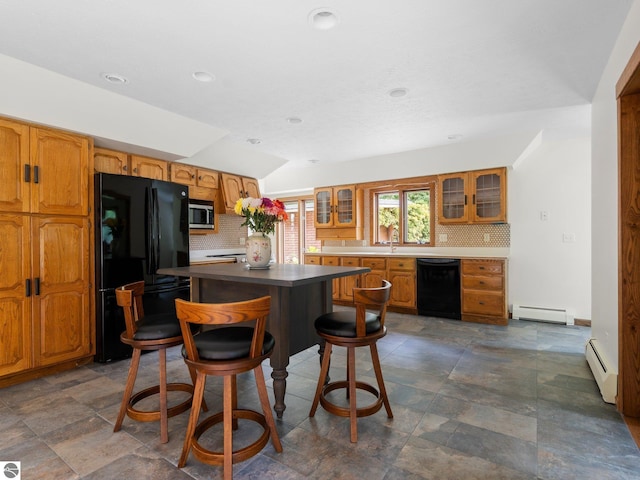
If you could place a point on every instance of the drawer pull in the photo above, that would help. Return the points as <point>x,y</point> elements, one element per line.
<point>481,303</point>
<point>481,282</point>
<point>481,268</point>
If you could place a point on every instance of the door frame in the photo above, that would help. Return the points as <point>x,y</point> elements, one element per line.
<point>628,99</point>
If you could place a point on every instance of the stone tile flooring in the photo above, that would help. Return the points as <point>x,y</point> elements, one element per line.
<point>470,402</point>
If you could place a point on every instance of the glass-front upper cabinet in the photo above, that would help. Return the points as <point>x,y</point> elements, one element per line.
<point>335,207</point>
<point>473,197</point>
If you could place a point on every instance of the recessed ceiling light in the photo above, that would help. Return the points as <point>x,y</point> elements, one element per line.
<point>115,78</point>
<point>397,92</point>
<point>323,19</point>
<point>314,160</point>
<point>203,76</point>
<point>253,141</point>
<point>455,136</point>
<point>294,120</point>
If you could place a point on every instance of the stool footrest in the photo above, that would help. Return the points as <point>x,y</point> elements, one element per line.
<point>154,415</point>
<point>217,458</point>
<point>344,411</point>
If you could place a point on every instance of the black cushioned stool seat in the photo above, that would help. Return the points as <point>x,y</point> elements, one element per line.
<point>351,329</point>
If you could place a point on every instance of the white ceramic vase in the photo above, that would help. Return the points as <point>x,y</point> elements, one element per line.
<point>258,250</point>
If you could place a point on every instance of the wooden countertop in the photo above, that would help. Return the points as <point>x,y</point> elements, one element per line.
<point>286,275</point>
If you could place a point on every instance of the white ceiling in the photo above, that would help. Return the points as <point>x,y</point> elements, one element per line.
<point>470,66</point>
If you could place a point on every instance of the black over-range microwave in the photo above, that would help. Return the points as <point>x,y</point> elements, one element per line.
<point>201,214</point>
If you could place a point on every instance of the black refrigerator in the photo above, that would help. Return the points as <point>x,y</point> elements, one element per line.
<point>141,225</point>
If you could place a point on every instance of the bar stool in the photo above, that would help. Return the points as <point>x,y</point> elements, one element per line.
<point>152,332</point>
<point>227,351</point>
<point>353,329</point>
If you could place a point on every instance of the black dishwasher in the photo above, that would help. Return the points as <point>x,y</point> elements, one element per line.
<point>439,287</point>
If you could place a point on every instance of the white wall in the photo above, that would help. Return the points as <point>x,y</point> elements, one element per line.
<point>604,191</point>
<point>552,173</point>
<point>457,157</point>
<point>544,269</point>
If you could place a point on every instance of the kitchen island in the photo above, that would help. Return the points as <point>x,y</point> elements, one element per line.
<point>299,294</point>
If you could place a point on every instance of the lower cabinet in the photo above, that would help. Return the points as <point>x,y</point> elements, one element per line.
<point>483,284</point>
<point>402,275</point>
<point>347,284</point>
<point>378,266</point>
<point>45,313</point>
<point>333,262</point>
<point>400,271</point>
<point>483,291</point>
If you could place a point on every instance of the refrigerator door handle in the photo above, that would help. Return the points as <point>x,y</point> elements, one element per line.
<point>150,247</point>
<point>156,227</point>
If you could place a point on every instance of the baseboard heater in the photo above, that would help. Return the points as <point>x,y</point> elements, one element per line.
<point>606,377</point>
<point>543,314</point>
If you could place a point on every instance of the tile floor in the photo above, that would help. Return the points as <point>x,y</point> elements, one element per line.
<point>470,402</point>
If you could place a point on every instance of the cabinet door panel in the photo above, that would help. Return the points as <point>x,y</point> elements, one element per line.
<point>403,289</point>
<point>183,174</point>
<point>453,198</point>
<point>14,157</point>
<point>489,198</point>
<point>61,309</point>
<point>15,305</point>
<point>322,207</point>
<point>109,161</point>
<point>149,168</point>
<point>207,178</point>
<point>250,188</point>
<point>61,184</point>
<point>373,279</point>
<point>231,189</point>
<point>344,205</point>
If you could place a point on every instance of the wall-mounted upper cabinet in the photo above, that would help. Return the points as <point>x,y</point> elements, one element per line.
<point>235,187</point>
<point>339,213</point>
<point>43,170</point>
<point>110,161</point>
<point>193,176</point>
<point>473,197</point>
<point>149,168</point>
<point>121,163</point>
<point>335,206</point>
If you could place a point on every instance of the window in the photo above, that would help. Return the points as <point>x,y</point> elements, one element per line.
<point>403,215</point>
<point>298,234</point>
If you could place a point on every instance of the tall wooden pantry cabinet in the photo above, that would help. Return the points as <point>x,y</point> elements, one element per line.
<point>45,254</point>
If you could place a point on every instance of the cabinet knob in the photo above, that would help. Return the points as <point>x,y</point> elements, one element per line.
<point>193,175</point>
<point>124,169</point>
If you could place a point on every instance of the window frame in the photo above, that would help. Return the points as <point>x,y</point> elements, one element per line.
<point>402,189</point>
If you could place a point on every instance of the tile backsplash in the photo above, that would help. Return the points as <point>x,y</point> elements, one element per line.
<point>229,234</point>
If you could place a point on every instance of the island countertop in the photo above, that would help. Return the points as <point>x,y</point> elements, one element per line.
<point>278,274</point>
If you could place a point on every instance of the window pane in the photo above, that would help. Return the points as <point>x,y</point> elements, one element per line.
<point>417,216</point>
<point>388,216</point>
<point>310,242</point>
<point>291,237</point>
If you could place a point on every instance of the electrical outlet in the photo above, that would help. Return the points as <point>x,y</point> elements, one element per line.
<point>569,237</point>
<point>544,216</point>
<point>242,240</point>
<point>487,237</point>
<point>442,237</point>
